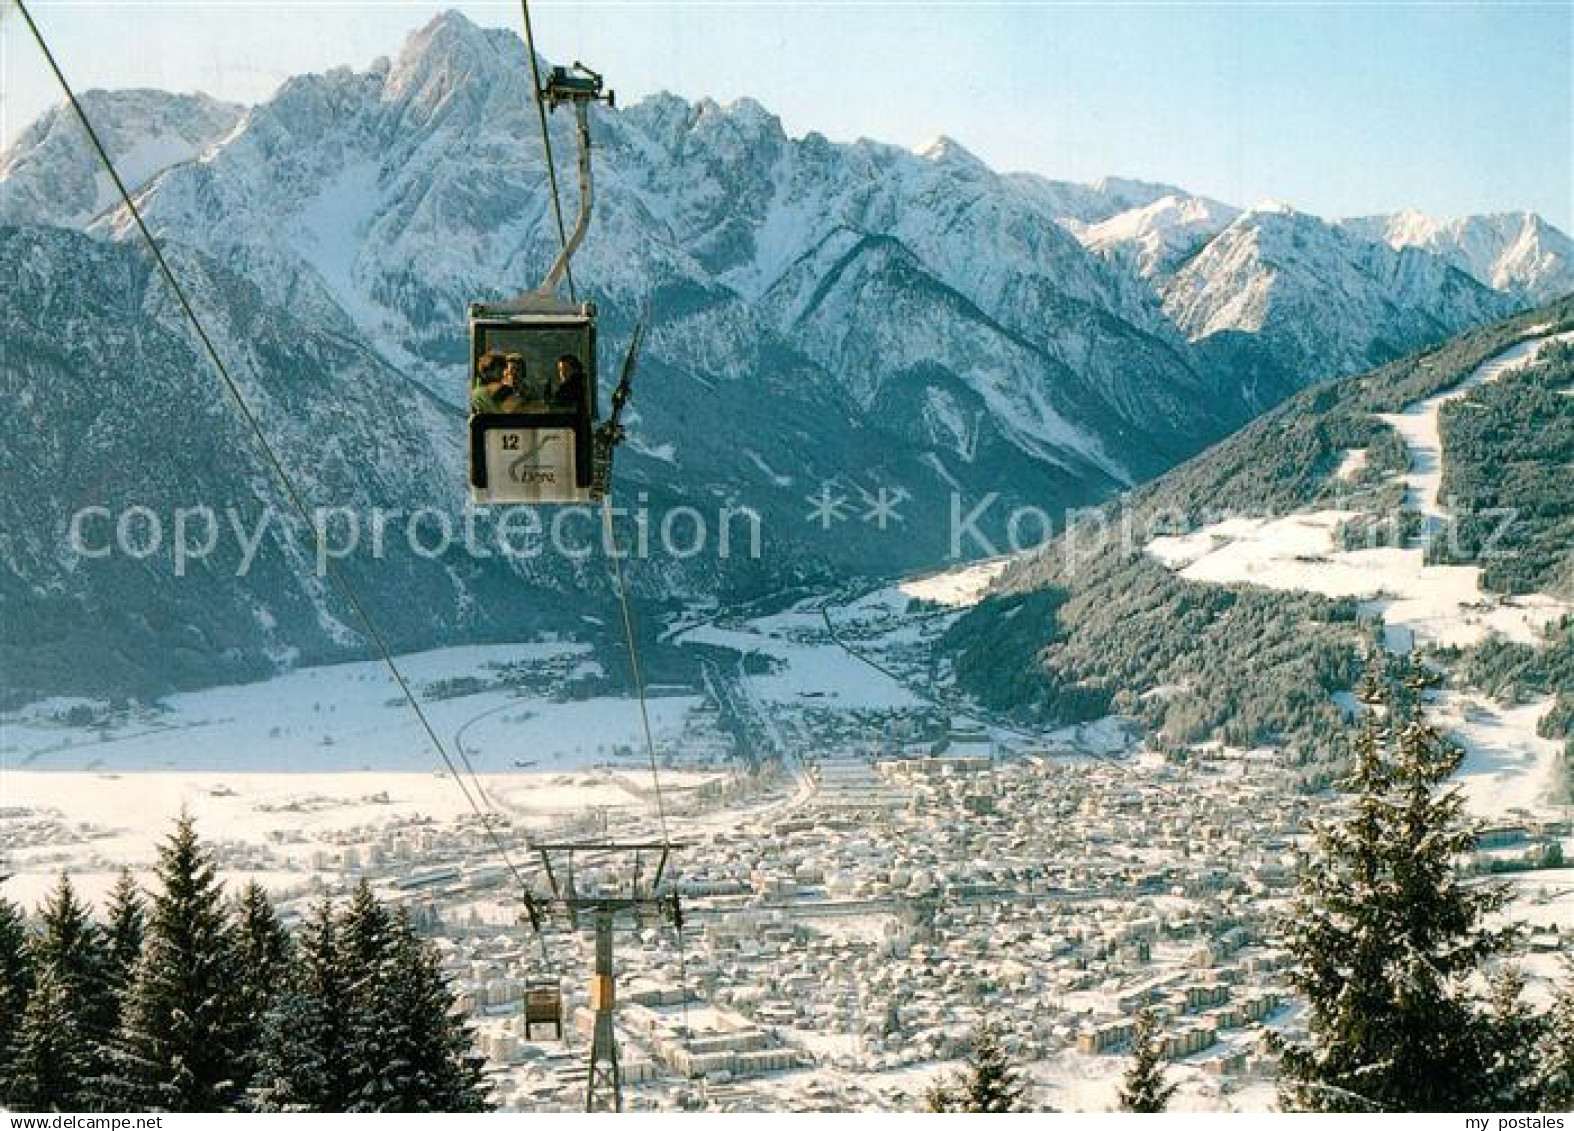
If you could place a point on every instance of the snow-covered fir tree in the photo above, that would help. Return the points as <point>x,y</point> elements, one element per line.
<point>301,1064</point>
<point>1386,932</point>
<point>262,953</point>
<point>1144,1088</point>
<point>16,979</point>
<point>179,1047</point>
<point>406,1052</point>
<point>428,1049</point>
<point>126,929</point>
<point>1517,1043</point>
<point>71,948</point>
<point>1555,1065</point>
<point>366,958</point>
<point>940,1096</point>
<point>367,1022</point>
<point>989,1084</point>
<point>50,1067</point>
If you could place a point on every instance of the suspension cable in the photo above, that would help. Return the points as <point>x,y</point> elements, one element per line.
<point>683,960</point>
<point>371,633</point>
<point>635,668</point>
<point>546,143</point>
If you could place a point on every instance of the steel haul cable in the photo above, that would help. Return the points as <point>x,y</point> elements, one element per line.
<point>546,141</point>
<point>636,670</point>
<point>606,503</point>
<point>373,636</point>
<point>610,536</point>
<point>638,675</point>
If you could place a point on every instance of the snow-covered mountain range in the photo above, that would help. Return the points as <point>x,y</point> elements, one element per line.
<point>1306,300</point>
<point>51,176</point>
<point>854,315</point>
<point>1518,253</point>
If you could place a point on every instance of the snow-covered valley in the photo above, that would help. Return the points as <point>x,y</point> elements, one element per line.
<point>891,827</point>
<point>870,789</point>
<point>827,839</point>
<point>869,317</point>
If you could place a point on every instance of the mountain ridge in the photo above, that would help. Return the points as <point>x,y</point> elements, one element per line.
<point>1115,618</point>
<point>852,318</point>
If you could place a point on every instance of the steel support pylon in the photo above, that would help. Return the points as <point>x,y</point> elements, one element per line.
<point>604,1086</point>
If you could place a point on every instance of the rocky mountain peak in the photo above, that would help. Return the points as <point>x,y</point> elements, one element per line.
<point>50,176</point>
<point>452,56</point>
<point>945,150</point>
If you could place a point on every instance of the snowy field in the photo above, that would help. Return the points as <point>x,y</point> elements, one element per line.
<point>1351,464</point>
<point>293,832</point>
<point>809,667</point>
<point>351,718</point>
<point>1509,770</point>
<point>95,823</point>
<point>1419,603</point>
<point>319,756</point>
<point>957,588</point>
<point>1417,424</point>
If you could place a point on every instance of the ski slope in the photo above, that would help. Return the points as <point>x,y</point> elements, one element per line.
<point>1417,425</point>
<point>1507,766</point>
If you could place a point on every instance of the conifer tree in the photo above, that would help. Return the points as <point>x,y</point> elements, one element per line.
<point>365,929</point>
<point>1144,1088</point>
<point>71,948</point>
<point>366,959</point>
<point>49,1069</point>
<point>179,1048</point>
<point>1385,933</point>
<point>292,1073</point>
<point>1555,1064</point>
<point>989,1084</point>
<point>301,1064</point>
<point>940,1098</point>
<point>128,917</point>
<point>1516,1043</point>
<point>434,1045</point>
<point>69,941</point>
<point>16,980</point>
<point>407,1052</point>
<point>262,954</point>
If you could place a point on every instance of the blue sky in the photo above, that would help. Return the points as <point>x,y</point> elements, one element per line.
<point>1340,109</point>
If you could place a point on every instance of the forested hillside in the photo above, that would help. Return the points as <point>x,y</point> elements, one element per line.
<point>1510,447</point>
<point>1093,623</point>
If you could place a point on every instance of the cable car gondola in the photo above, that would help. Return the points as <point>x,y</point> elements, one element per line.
<point>532,400</point>
<point>535,436</point>
<point>543,1006</point>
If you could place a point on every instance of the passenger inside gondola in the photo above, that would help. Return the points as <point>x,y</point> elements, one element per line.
<point>486,394</point>
<point>568,385</point>
<point>536,371</point>
<point>518,395</point>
